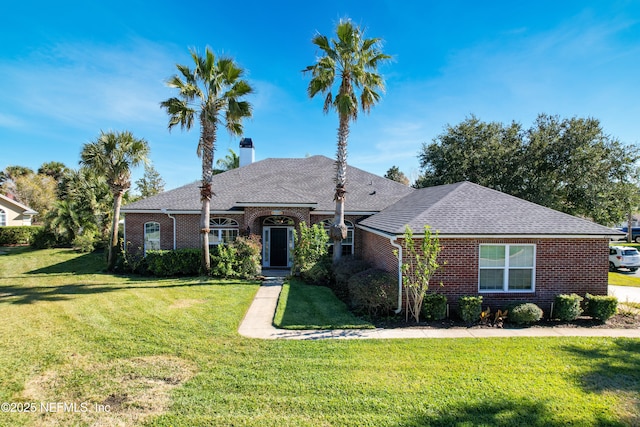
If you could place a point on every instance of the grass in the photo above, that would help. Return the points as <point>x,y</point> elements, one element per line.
<point>630,245</point>
<point>167,353</point>
<point>303,306</point>
<point>622,279</point>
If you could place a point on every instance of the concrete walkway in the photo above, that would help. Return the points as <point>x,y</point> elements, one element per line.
<point>258,323</point>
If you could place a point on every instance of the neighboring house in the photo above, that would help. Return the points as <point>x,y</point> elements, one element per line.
<point>14,213</point>
<point>496,245</point>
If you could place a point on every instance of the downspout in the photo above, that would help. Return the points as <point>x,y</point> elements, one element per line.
<point>174,226</point>
<point>395,244</point>
<point>124,233</point>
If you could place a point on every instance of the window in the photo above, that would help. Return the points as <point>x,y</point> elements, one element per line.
<point>3,218</point>
<point>507,268</point>
<point>222,230</point>
<point>278,221</point>
<point>347,244</point>
<point>151,236</point>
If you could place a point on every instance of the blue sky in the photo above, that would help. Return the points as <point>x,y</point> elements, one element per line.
<point>71,69</point>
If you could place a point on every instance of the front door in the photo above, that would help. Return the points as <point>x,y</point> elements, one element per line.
<point>278,247</point>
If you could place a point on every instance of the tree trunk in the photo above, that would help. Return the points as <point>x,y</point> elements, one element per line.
<point>113,239</point>
<point>207,141</point>
<point>338,230</point>
<point>630,227</point>
<point>204,227</point>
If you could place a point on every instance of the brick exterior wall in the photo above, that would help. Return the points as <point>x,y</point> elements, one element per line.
<point>562,267</point>
<point>188,226</point>
<point>378,251</point>
<point>187,229</point>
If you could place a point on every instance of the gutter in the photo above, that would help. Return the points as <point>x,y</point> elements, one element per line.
<point>395,244</point>
<point>164,211</point>
<point>393,240</point>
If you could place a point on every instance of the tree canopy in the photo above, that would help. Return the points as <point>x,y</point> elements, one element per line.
<point>395,174</point>
<point>113,155</point>
<point>569,165</point>
<point>151,182</point>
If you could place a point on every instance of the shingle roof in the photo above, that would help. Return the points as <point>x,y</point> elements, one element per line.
<point>308,181</point>
<point>465,208</point>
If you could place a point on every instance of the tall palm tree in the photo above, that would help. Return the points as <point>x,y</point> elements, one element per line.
<point>349,62</point>
<point>213,89</point>
<point>112,155</point>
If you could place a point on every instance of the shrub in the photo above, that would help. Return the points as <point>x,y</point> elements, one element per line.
<point>525,314</point>
<point>373,291</point>
<point>248,256</point>
<point>131,261</point>
<point>85,242</point>
<point>434,306</point>
<point>567,307</point>
<point>470,308</point>
<point>45,239</point>
<point>343,270</point>
<point>310,247</point>
<point>222,259</point>
<point>601,307</point>
<point>18,235</point>
<point>173,263</point>
<point>319,273</point>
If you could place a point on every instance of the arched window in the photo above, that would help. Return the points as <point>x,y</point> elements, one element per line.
<point>222,230</point>
<point>275,221</point>
<point>3,218</point>
<point>151,236</point>
<point>347,244</point>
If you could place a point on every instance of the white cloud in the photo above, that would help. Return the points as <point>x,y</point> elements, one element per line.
<point>86,85</point>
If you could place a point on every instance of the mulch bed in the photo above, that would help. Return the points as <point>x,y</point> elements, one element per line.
<point>627,318</point>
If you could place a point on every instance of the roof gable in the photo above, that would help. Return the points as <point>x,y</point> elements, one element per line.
<point>466,208</point>
<point>17,206</point>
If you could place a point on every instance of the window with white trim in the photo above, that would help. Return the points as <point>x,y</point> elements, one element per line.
<point>347,244</point>
<point>222,230</point>
<point>3,218</point>
<point>151,236</point>
<point>507,268</point>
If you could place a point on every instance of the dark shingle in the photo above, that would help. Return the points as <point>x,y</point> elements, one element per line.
<point>282,181</point>
<point>469,209</point>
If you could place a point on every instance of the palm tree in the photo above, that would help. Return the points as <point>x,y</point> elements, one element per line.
<point>215,88</point>
<point>112,155</point>
<point>228,162</point>
<point>349,62</point>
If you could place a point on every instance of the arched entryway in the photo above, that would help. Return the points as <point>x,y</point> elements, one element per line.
<point>277,238</point>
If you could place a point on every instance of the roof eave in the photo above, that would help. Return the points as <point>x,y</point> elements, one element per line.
<point>391,234</point>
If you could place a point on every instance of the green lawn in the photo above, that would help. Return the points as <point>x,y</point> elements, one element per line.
<point>623,279</point>
<point>167,353</point>
<point>303,306</point>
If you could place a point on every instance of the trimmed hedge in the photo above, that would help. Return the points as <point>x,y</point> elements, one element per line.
<point>181,262</point>
<point>469,308</point>
<point>343,270</point>
<point>373,291</point>
<point>525,314</point>
<point>18,235</point>
<point>601,307</point>
<point>567,307</point>
<point>434,306</point>
<point>240,258</point>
